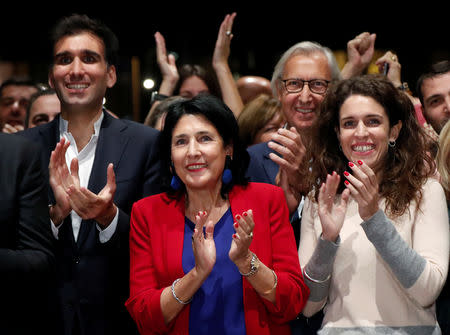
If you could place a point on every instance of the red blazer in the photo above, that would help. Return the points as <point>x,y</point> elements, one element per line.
<point>156,246</point>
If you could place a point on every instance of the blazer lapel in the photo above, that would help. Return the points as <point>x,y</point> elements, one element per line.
<point>110,147</point>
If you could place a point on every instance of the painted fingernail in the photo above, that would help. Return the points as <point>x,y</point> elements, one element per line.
<point>238,217</point>
<point>236,225</point>
<point>360,162</point>
<point>204,212</point>
<point>346,173</point>
<point>346,182</point>
<point>350,164</point>
<point>234,235</point>
<point>245,214</point>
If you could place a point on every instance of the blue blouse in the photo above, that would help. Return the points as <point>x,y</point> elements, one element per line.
<point>217,307</point>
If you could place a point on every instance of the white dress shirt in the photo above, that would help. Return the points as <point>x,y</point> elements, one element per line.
<point>85,161</point>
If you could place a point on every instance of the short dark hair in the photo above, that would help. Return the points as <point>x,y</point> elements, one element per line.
<point>435,70</point>
<point>223,119</point>
<point>18,82</point>
<point>76,24</point>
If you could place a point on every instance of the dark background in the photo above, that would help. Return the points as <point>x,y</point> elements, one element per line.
<point>419,35</point>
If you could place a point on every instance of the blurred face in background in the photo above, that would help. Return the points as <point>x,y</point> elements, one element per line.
<point>14,103</point>
<point>265,133</point>
<point>193,86</point>
<point>436,98</point>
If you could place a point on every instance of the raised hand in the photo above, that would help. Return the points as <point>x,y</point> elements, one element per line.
<point>332,214</point>
<point>242,239</point>
<point>203,244</point>
<point>222,48</point>
<point>228,87</point>
<point>394,72</point>
<point>363,186</point>
<point>360,51</point>
<point>167,66</point>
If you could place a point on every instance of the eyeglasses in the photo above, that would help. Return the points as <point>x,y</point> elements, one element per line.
<point>295,85</point>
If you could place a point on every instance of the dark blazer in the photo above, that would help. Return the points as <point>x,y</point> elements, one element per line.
<point>27,264</point>
<point>261,168</point>
<point>93,276</point>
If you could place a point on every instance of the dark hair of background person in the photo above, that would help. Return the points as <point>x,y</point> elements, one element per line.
<point>407,165</point>
<point>18,82</point>
<point>76,23</point>
<point>222,118</point>
<point>204,73</point>
<point>34,97</point>
<point>435,69</point>
<point>255,115</point>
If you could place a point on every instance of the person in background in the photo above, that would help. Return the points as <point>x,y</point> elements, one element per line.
<point>433,90</point>
<point>259,120</point>
<point>213,253</point>
<point>15,97</point>
<point>44,106</point>
<point>375,233</point>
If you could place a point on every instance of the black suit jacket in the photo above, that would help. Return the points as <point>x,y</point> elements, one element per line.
<point>264,170</point>
<point>93,276</point>
<point>27,264</point>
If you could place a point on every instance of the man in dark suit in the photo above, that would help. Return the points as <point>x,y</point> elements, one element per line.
<point>98,167</point>
<point>27,263</point>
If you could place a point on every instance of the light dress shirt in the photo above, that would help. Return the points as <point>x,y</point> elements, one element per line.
<point>85,161</point>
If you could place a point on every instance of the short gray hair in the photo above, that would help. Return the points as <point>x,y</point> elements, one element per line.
<point>304,48</point>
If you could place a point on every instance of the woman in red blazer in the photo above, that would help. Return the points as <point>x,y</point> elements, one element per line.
<point>214,253</point>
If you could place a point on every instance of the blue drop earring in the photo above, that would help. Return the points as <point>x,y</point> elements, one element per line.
<point>227,176</point>
<point>175,183</point>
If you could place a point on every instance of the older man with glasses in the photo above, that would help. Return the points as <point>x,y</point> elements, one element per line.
<point>300,81</point>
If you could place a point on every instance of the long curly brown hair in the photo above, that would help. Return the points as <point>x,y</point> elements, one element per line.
<point>407,165</point>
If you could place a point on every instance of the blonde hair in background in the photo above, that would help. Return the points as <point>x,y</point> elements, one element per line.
<point>443,158</point>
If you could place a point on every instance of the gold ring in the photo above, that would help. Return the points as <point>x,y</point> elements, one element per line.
<point>228,32</point>
<point>394,58</point>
